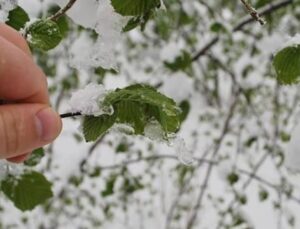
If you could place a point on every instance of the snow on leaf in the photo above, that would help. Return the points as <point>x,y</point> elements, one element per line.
<point>107,24</point>
<point>157,105</point>
<point>134,106</point>
<point>89,101</point>
<point>35,157</point>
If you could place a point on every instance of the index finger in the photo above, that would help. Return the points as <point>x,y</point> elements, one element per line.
<point>14,37</point>
<point>20,79</point>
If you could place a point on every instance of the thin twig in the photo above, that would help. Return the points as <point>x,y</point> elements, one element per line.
<point>265,182</point>
<point>170,214</point>
<point>70,115</point>
<point>225,130</point>
<point>254,14</point>
<point>62,11</point>
<point>150,158</point>
<point>83,163</point>
<point>266,10</point>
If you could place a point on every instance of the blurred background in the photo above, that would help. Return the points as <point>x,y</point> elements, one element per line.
<point>237,120</point>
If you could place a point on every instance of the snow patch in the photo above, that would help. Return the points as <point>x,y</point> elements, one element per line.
<point>7,168</point>
<point>89,101</point>
<point>290,42</point>
<point>101,17</point>
<point>292,157</point>
<point>185,155</point>
<point>83,13</point>
<point>5,7</point>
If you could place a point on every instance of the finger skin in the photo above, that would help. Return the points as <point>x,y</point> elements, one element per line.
<point>20,128</point>
<point>26,121</point>
<point>19,159</point>
<point>20,79</point>
<point>14,37</point>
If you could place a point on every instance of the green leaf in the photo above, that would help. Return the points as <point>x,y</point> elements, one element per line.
<point>131,113</point>
<point>135,106</point>
<point>181,63</point>
<point>62,21</point>
<point>217,27</point>
<point>134,7</point>
<point>151,103</point>
<point>132,24</point>
<point>44,34</point>
<point>122,147</point>
<point>263,195</point>
<point>285,137</point>
<point>35,157</point>
<point>287,65</point>
<point>95,127</point>
<point>131,185</point>
<point>232,178</point>
<point>185,109</point>
<point>28,190</point>
<point>17,18</point>
<point>110,183</point>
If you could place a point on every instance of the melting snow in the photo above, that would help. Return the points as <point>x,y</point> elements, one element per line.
<point>88,101</point>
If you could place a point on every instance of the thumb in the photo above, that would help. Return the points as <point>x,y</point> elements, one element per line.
<point>24,127</point>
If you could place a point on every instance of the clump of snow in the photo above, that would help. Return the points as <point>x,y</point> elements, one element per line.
<point>185,155</point>
<point>293,41</point>
<point>154,131</point>
<point>7,168</point>
<point>290,42</point>
<point>24,30</point>
<point>100,16</point>
<point>89,101</point>
<point>5,7</point>
<point>83,13</point>
<point>122,128</point>
<point>292,157</point>
<point>172,50</point>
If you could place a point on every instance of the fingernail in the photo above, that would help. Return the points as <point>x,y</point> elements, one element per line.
<point>47,124</point>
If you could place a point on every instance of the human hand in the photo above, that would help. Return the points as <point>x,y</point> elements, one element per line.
<point>26,120</point>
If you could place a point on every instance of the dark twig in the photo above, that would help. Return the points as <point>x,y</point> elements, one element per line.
<point>254,14</point>
<point>70,115</point>
<point>268,9</point>
<point>62,11</point>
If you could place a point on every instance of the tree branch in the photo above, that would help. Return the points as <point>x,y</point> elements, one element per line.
<point>253,13</point>
<point>70,115</point>
<point>270,8</point>
<point>151,158</point>
<point>225,130</point>
<point>62,11</point>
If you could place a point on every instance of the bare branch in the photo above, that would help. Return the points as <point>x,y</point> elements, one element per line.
<point>270,8</point>
<point>151,158</point>
<point>254,14</point>
<point>225,130</point>
<point>62,11</point>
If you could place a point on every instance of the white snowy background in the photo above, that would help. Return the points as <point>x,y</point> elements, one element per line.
<point>253,142</point>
